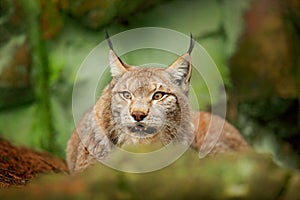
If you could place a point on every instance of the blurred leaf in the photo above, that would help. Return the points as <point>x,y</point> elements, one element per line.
<point>215,46</point>
<point>7,51</point>
<point>194,16</point>
<point>17,124</point>
<point>233,22</point>
<point>51,20</point>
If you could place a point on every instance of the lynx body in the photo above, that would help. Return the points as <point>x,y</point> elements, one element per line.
<point>147,106</point>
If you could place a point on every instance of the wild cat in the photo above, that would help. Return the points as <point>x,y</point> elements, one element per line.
<point>147,106</point>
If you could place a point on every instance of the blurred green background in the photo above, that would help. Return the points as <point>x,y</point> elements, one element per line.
<point>255,44</point>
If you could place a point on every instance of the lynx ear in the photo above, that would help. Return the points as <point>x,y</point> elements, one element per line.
<point>117,66</point>
<point>181,69</point>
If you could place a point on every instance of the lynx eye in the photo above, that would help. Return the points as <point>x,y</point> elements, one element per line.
<point>126,95</point>
<point>158,95</point>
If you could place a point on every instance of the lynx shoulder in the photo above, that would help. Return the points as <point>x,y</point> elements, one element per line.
<point>147,106</point>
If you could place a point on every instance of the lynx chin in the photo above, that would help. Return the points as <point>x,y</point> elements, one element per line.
<point>147,106</point>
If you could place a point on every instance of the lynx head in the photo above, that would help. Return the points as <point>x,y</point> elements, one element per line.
<point>150,105</point>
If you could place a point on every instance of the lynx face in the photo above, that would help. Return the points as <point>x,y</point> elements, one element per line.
<point>150,105</point>
<point>145,107</point>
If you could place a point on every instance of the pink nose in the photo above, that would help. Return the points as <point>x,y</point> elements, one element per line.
<point>138,115</point>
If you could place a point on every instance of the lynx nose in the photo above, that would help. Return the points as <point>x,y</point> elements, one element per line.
<point>138,115</point>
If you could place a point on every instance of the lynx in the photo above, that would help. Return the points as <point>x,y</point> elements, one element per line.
<point>147,106</point>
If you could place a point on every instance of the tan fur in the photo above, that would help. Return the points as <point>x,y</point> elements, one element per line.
<point>207,125</point>
<point>147,106</point>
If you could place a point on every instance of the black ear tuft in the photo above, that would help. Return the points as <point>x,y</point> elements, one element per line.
<point>117,66</point>
<point>192,44</point>
<point>181,69</point>
<point>108,41</point>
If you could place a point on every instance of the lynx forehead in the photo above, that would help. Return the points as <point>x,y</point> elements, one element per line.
<point>152,78</point>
